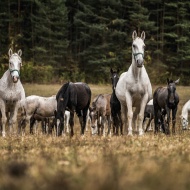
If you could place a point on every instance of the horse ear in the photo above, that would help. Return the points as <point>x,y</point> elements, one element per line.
<point>10,52</point>
<point>134,35</point>
<point>117,70</point>
<point>20,52</point>
<point>177,81</point>
<point>143,35</point>
<point>111,70</point>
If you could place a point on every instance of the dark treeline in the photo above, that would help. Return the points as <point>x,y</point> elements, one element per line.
<point>80,40</point>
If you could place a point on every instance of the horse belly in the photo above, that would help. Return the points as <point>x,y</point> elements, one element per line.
<point>46,111</point>
<point>136,100</point>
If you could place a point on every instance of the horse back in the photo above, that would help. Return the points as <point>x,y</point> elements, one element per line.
<point>80,94</point>
<point>160,97</point>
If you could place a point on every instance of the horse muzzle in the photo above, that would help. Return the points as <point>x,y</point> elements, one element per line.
<point>15,79</point>
<point>140,63</point>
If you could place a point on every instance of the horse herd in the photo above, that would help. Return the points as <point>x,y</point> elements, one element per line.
<point>125,110</point>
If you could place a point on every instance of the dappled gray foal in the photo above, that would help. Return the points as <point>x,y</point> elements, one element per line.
<point>11,91</point>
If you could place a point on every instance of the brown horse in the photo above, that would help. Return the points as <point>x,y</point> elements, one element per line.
<point>100,112</point>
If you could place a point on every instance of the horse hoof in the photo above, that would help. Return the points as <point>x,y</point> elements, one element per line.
<point>130,134</point>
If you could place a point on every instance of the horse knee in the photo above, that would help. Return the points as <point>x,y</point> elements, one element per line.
<point>130,115</point>
<point>4,120</point>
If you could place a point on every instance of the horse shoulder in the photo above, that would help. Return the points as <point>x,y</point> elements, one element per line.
<point>31,103</point>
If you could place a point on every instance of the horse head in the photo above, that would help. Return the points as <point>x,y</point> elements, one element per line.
<point>171,90</point>
<point>62,99</point>
<point>114,78</point>
<point>138,47</point>
<point>15,62</point>
<point>93,115</point>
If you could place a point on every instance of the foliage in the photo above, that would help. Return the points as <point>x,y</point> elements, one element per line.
<point>36,74</point>
<point>82,39</point>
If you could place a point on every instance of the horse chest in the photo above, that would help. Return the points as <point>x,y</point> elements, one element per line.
<point>10,93</point>
<point>11,96</point>
<point>136,90</point>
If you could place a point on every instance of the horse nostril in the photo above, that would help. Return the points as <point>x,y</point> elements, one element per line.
<point>15,79</point>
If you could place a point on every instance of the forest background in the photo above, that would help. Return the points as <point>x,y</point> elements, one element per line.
<point>80,40</point>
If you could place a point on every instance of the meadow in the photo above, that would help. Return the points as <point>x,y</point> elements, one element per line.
<point>94,162</point>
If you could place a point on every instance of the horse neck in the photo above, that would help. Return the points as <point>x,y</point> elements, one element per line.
<point>136,72</point>
<point>113,92</point>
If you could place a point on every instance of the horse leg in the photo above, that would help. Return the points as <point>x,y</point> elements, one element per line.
<point>109,124</point>
<point>84,120</point>
<point>148,124</point>
<point>120,123</point>
<point>135,119</point>
<point>156,117</point>
<point>174,111</point>
<point>167,130</point>
<point>129,114</point>
<point>3,118</point>
<point>32,121</point>
<point>99,124</point>
<point>13,118</point>
<point>114,125</point>
<point>71,123</point>
<point>124,117</point>
<point>67,123</point>
<point>103,125</point>
<point>141,113</point>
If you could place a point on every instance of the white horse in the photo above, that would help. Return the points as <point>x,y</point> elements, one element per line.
<point>184,115</point>
<point>134,88</point>
<point>11,91</point>
<point>43,107</point>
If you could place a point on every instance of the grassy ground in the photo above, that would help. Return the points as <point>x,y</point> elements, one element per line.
<point>46,162</point>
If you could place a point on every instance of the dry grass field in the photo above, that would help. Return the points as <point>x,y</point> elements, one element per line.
<point>96,163</point>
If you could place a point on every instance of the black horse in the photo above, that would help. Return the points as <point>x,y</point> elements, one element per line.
<point>165,99</point>
<point>115,105</point>
<point>74,97</point>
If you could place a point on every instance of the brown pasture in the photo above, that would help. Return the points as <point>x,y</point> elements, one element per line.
<point>95,163</point>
